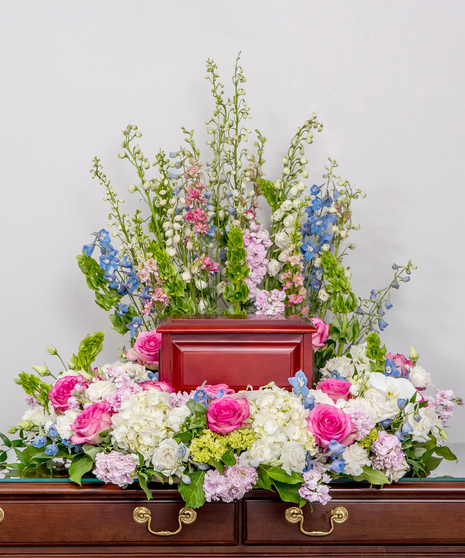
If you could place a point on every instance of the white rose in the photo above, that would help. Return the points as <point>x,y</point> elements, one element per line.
<point>262,451</point>
<point>293,457</point>
<point>37,416</point>
<point>64,423</point>
<point>273,267</point>
<point>394,475</point>
<point>420,378</point>
<point>356,458</point>
<point>166,458</point>
<point>281,240</point>
<point>98,389</point>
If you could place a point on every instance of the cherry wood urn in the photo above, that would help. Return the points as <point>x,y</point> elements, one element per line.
<point>234,350</point>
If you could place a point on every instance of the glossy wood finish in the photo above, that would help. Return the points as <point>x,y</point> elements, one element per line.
<point>236,350</point>
<point>62,519</point>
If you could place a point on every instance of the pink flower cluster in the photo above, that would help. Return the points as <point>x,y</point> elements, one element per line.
<point>388,453</point>
<point>208,264</point>
<point>361,421</point>
<point>126,387</point>
<point>327,423</point>
<point>443,404</point>
<point>322,332</point>
<point>294,281</point>
<point>90,422</point>
<point>199,218</point>
<point>315,488</point>
<point>336,389</point>
<point>115,468</point>
<point>270,303</point>
<point>236,481</point>
<point>256,243</point>
<point>403,364</point>
<point>63,390</point>
<point>149,271</point>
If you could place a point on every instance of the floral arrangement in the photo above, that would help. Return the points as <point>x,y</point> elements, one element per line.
<point>199,247</point>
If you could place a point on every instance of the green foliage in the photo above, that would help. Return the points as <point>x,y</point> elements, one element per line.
<point>89,348</point>
<point>236,270</point>
<point>270,193</point>
<point>193,494</point>
<point>373,476</point>
<point>32,385</point>
<point>80,465</point>
<point>375,352</point>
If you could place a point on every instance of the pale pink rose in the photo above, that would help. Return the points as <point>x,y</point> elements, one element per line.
<point>227,414</point>
<point>213,390</point>
<point>61,392</point>
<point>402,363</point>
<point>321,334</point>
<point>145,348</point>
<point>160,386</point>
<point>88,424</point>
<point>336,389</point>
<point>328,423</point>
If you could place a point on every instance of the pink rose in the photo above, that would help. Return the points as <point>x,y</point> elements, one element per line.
<point>328,423</point>
<point>213,390</point>
<point>93,420</point>
<point>145,348</point>
<point>336,389</point>
<point>61,392</point>
<point>227,414</point>
<point>321,333</point>
<point>161,386</point>
<point>402,363</point>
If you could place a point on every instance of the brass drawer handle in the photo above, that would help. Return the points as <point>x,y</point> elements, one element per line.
<point>296,515</point>
<point>2,515</point>
<point>143,515</point>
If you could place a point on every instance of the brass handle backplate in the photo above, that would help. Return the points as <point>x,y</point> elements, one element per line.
<point>2,515</point>
<point>296,515</point>
<point>143,515</point>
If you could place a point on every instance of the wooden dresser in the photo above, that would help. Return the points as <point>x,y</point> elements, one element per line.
<point>60,519</point>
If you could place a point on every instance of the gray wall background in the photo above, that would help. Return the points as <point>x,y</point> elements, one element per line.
<point>385,77</point>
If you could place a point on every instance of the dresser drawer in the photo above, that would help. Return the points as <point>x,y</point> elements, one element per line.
<point>113,522</point>
<point>368,522</point>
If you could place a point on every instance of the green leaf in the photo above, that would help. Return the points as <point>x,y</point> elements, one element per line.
<point>89,348</point>
<point>91,451</point>
<point>193,494</point>
<point>276,473</point>
<point>5,440</point>
<point>432,463</point>
<point>143,483</point>
<point>444,451</point>
<point>80,465</point>
<point>218,465</point>
<point>229,458</point>
<point>264,480</point>
<point>21,457</point>
<point>288,492</point>
<point>183,437</point>
<point>3,456</point>
<point>373,476</point>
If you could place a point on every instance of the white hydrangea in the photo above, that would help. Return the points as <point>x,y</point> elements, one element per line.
<point>141,423</point>
<point>292,457</point>
<point>135,371</point>
<point>356,458</point>
<point>342,364</point>
<point>428,422</point>
<point>262,451</point>
<point>278,418</point>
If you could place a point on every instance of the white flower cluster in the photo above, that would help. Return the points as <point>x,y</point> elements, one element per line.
<point>144,420</point>
<point>280,421</point>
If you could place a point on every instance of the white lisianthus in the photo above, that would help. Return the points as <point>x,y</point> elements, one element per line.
<point>323,295</point>
<point>293,457</point>
<point>342,364</point>
<point>420,378</point>
<point>64,423</point>
<point>428,422</point>
<point>320,397</point>
<point>186,276</point>
<point>99,388</point>
<point>395,475</point>
<point>356,458</point>
<point>169,458</point>
<point>281,240</point>
<point>37,416</point>
<point>274,267</point>
<point>202,306</point>
<point>200,284</point>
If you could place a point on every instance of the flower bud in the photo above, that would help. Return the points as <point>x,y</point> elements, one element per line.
<point>122,155</point>
<point>52,350</point>
<point>413,355</point>
<point>12,430</point>
<point>43,371</point>
<point>325,247</point>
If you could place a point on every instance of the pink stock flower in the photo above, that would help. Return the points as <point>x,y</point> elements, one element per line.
<point>212,390</point>
<point>321,334</point>
<point>210,265</point>
<point>160,296</point>
<point>90,422</point>
<point>402,363</point>
<point>115,468</point>
<point>336,389</point>
<point>145,348</point>
<point>328,423</point>
<point>62,390</point>
<point>227,414</point>
<point>160,386</point>
<point>295,299</point>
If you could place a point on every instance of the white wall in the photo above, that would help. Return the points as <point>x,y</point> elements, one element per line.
<point>385,77</point>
